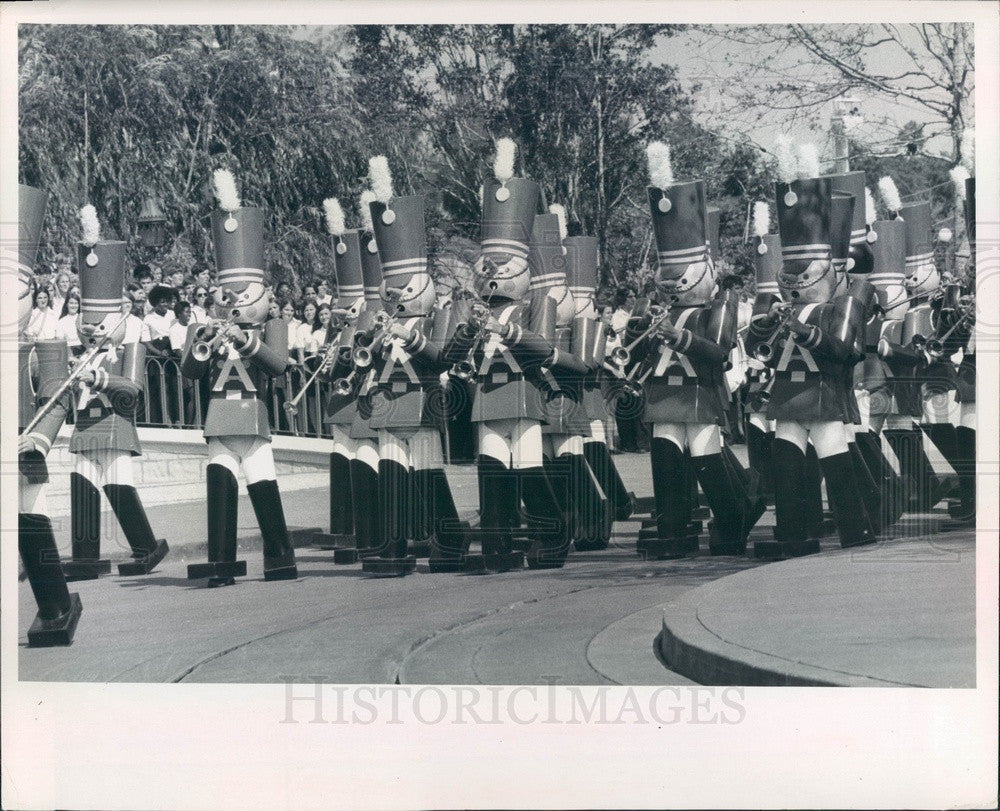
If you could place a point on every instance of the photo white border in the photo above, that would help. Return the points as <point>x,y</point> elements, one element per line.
<point>222,746</point>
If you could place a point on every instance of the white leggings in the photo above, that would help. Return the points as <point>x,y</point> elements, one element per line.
<point>700,439</point>
<point>31,497</point>
<point>250,453</point>
<point>514,443</point>
<point>558,444</point>
<point>105,467</point>
<point>342,443</point>
<point>417,448</point>
<point>367,452</point>
<point>828,438</point>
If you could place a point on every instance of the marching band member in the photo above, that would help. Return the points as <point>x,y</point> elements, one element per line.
<point>507,404</point>
<point>577,490</point>
<point>104,435</point>
<point>591,339</point>
<point>43,371</point>
<point>239,353</point>
<point>685,349</point>
<point>414,493</point>
<point>811,339</point>
<point>340,407</point>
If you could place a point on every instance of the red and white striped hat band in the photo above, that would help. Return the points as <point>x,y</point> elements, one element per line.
<point>819,250</point>
<point>919,259</point>
<point>769,287</point>
<point>404,267</point>
<point>683,256</point>
<point>372,291</point>
<point>101,305</point>
<point>513,247</point>
<point>235,276</point>
<point>886,277</point>
<point>547,280</point>
<point>859,236</point>
<point>352,291</point>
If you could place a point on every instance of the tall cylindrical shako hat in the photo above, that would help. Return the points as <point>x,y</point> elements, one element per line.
<point>889,262</point>
<point>970,208</point>
<point>767,257</point>
<point>102,271</point>
<point>31,216</point>
<point>680,221</point>
<point>237,237</point>
<point>860,255</point>
<point>581,265</point>
<point>917,217</point>
<point>713,221</point>
<point>346,253</point>
<point>841,219</point>
<point>371,265</point>
<point>509,208</point>
<point>546,256</point>
<point>803,200</point>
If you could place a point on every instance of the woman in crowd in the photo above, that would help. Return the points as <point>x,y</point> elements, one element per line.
<point>42,325</point>
<point>200,304</point>
<point>60,291</point>
<point>66,325</point>
<point>319,328</point>
<point>303,338</point>
<point>323,294</point>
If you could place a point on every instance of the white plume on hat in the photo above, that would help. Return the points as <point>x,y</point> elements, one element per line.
<point>807,164</point>
<point>560,212</point>
<point>503,163</point>
<point>90,225</point>
<point>787,164</point>
<point>959,174</point>
<point>889,193</point>
<point>381,178</point>
<point>967,149</point>
<point>661,170</point>
<point>224,185</point>
<point>364,205</point>
<point>335,223</point>
<point>871,214</point>
<point>761,218</point>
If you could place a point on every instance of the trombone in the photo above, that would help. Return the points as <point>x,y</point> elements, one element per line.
<point>330,351</point>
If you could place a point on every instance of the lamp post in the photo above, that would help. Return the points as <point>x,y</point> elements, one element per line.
<point>152,224</point>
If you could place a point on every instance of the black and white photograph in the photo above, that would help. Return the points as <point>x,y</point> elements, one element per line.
<point>403,394</point>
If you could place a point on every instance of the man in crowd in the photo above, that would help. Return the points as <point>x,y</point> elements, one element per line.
<point>156,337</point>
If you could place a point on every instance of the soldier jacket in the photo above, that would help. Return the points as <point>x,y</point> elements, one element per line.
<point>810,384</point>
<point>239,377</point>
<point>37,382</point>
<point>105,411</point>
<point>684,379</point>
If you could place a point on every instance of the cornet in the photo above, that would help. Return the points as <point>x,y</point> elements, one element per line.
<point>765,351</point>
<point>203,350</point>
<point>465,369</point>
<point>622,355</point>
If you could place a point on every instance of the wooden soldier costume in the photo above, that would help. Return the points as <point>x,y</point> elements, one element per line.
<point>340,408</point>
<point>811,343</point>
<point>239,353</point>
<point>43,367</point>
<point>684,381</point>
<point>576,488</point>
<point>104,437</point>
<point>589,343</point>
<point>413,491</point>
<point>507,403</point>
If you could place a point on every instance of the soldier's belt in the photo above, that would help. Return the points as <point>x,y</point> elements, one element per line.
<point>675,380</point>
<point>233,394</point>
<point>400,387</point>
<point>798,376</point>
<point>505,377</point>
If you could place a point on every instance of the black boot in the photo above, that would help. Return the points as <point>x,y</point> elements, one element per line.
<point>965,442</point>
<point>622,502</point>
<point>147,549</point>
<point>58,610</point>
<point>724,499</point>
<point>394,521</point>
<point>341,534</point>
<point>498,503</point>
<point>746,485</point>
<point>918,477</point>
<point>591,504</point>
<point>889,485</point>
<point>867,488</point>
<point>547,524</point>
<point>560,475</point>
<point>85,504</point>
<point>671,498</point>
<point>223,506</point>
<point>448,539</point>
<point>811,495</point>
<point>845,498</point>
<point>365,504</point>
<point>944,437</point>
<point>759,453</point>
<point>792,537</point>
<point>279,556</point>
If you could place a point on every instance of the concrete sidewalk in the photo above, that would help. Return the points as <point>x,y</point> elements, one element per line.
<point>898,614</point>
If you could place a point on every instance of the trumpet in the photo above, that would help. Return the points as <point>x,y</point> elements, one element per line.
<point>765,351</point>
<point>629,385</point>
<point>622,355</point>
<point>465,369</point>
<point>935,346</point>
<point>202,350</point>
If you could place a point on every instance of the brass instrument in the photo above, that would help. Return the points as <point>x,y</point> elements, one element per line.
<point>622,355</point>
<point>202,350</point>
<point>765,351</point>
<point>935,346</point>
<point>78,369</point>
<point>465,369</point>
<point>329,353</point>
